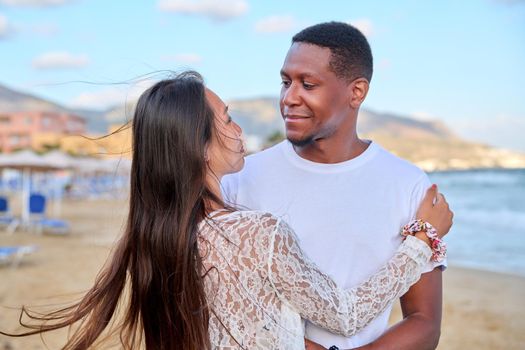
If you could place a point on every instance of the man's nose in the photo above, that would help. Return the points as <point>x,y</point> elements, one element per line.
<point>290,95</point>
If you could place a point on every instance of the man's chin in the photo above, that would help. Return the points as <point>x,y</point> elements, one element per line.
<point>299,141</point>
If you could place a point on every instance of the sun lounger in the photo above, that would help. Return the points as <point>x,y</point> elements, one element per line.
<point>7,221</point>
<point>54,226</point>
<point>39,223</point>
<point>13,255</point>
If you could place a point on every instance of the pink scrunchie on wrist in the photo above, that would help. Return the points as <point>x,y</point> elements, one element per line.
<point>439,248</point>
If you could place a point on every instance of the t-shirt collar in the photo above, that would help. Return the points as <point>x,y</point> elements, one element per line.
<point>350,164</point>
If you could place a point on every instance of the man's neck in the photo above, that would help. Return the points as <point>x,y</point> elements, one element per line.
<point>332,150</point>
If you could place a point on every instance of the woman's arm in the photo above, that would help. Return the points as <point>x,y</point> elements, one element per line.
<point>317,298</point>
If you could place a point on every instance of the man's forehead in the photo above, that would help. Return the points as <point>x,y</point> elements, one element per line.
<point>308,58</point>
<point>307,50</point>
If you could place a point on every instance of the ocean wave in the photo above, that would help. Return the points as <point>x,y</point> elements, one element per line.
<point>503,218</point>
<point>489,218</point>
<point>493,177</point>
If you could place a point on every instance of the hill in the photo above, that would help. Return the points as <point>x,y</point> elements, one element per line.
<point>14,101</point>
<point>430,144</point>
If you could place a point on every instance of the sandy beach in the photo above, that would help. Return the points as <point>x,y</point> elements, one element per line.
<point>481,310</point>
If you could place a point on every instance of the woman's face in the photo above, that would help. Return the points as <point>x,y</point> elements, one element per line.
<point>225,153</point>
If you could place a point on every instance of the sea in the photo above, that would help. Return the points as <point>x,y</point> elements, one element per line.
<point>489,218</point>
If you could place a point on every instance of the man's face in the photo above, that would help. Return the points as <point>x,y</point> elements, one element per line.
<point>314,102</point>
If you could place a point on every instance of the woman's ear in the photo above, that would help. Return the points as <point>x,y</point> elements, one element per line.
<point>359,90</point>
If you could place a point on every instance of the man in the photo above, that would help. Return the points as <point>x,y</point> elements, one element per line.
<point>341,194</point>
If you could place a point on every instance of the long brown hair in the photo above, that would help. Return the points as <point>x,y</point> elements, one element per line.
<point>157,258</point>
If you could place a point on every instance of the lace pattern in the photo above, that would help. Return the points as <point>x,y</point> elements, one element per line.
<point>260,284</point>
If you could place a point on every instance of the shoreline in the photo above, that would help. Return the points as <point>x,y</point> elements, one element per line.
<point>478,269</point>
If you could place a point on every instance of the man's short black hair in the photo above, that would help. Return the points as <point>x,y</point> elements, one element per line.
<point>351,54</point>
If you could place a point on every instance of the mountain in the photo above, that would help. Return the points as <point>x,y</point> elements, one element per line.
<point>120,114</point>
<point>385,124</point>
<point>429,144</point>
<point>260,116</point>
<point>13,101</point>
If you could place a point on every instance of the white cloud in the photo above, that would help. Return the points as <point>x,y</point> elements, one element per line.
<point>215,9</point>
<point>364,25</point>
<point>5,27</point>
<point>275,24</point>
<point>111,97</point>
<point>102,99</point>
<point>188,58</point>
<point>45,29</point>
<point>34,3</point>
<point>60,60</point>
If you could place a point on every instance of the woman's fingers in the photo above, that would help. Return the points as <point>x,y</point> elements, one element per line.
<point>440,199</point>
<point>428,200</point>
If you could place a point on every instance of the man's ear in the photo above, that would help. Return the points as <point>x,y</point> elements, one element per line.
<point>359,90</point>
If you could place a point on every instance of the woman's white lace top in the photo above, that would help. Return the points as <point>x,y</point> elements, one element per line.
<point>259,284</point>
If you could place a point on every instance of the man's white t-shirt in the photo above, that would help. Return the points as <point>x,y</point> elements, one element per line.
<point>347,215</point>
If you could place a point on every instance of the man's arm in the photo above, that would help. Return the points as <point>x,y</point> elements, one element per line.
<point>421,325</point>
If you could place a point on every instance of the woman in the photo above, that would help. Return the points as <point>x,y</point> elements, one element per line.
<point>202,275</point>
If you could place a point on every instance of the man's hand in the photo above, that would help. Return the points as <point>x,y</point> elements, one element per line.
<point>310,345</point>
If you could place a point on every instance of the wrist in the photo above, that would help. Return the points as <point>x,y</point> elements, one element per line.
<point>423,236</point>
<point>418,227</point>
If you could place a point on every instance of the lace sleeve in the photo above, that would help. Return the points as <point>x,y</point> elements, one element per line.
<point>316,297</point>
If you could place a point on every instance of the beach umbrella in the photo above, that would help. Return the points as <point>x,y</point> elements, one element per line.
<point>59,160</point>
<point>103,175</point>
<point>28,161</point>
<point>23,160</point>
<point>62,161</point>
<point>102,166</point>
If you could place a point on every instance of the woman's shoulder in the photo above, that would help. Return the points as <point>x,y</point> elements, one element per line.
<point>251,227</point>
<point>247,221</point>
<point>256,217</point>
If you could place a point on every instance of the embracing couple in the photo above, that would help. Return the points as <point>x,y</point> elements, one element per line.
<point>301,240</point>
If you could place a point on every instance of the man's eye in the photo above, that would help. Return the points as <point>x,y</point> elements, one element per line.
<point>285,83</point>
<point>308,86</point>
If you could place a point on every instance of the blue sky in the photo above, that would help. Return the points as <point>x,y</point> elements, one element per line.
<point>462,62</point>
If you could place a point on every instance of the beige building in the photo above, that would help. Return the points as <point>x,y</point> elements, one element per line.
<point>37,130</point>
<point>116,143</point>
